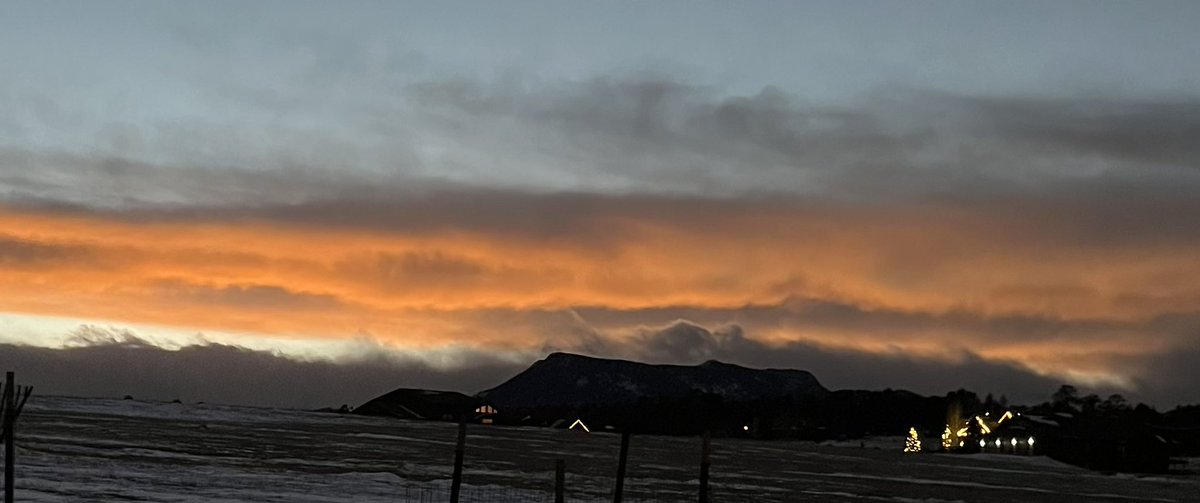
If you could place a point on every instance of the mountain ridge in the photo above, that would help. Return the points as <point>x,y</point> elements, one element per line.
<point>568,379</point>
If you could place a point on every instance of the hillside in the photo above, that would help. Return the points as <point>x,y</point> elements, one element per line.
<point>409,403</point>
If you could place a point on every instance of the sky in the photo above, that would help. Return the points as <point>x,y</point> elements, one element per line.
<point>305,204</point>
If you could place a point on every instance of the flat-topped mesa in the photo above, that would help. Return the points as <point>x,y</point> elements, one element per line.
<point>565,379</point>
<point>410,403</point>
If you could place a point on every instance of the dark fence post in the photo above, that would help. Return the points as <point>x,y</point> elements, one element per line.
<point>617,493</point>
<point>560,481</point>
<point>705,450</point>
<point>456,482</point>
<point>10,420</point>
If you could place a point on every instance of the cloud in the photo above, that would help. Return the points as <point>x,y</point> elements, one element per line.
<point>98,361</point>
<point>235,375</point>
<point>89,336</point>
<point>633,134</point>
<point>237,296</point>
<point>646,134</point>
<point>1027,279</point>
<point>956,228</point>
<point>19,252</point>
<point>111,362</point>
<point>1168,378</point>
<point>1152,132</point>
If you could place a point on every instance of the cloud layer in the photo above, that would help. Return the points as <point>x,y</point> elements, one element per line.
<point>916,237</point>
<point>114,363</point>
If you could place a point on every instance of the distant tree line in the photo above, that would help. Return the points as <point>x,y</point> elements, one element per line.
<point>849,414</point>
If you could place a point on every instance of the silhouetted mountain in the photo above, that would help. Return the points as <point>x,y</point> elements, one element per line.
<point>564,379</point>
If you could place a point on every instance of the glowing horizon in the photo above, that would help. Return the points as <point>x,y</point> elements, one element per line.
<point>1011,208</point>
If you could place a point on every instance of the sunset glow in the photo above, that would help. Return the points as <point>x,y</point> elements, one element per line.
<point>290,191</point>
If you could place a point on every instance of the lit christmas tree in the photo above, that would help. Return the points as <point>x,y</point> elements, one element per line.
<point>913,442</point>
<point>948,439</point>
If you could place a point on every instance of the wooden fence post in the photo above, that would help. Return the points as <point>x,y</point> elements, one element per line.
<point>10,419</point>
<point>617,493</point>
<point>456,481</point>
<point>705,463</point>
<point>560,481</point>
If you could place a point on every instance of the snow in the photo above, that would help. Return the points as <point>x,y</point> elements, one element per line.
<point>74,449</point>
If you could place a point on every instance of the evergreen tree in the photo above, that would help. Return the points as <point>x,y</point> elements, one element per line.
<point>912,444</point>
<point>948,439</point>
<point>1065,398</point>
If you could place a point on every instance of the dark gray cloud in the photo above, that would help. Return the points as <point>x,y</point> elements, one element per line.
<point>823,315</point>
<point>1102,213</point>
<point>25,252</point>
<point>670,135</point>
<point>228,374</point>
<point>114,362</point>
<point>101,362</point>
<point>1170,377</point>
<point>95,336</point>
<point>52,179</point>
<point>270,297</point>
<point>653,136</point>
<point>1154,132</point>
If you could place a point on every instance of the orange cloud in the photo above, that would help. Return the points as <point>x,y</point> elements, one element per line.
<point>417,286</point>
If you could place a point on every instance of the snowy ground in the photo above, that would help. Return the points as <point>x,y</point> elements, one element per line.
<point>73,449</point>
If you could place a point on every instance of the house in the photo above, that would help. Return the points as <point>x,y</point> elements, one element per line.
<point>1095,442</point>
<point>485,414</point>
<point>1013,433</point>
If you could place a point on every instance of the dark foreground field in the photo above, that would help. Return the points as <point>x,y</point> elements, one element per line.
<point>73,449</point>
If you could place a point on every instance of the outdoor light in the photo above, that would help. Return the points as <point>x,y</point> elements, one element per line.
<point>1014,442</point>
<point>1031,441</point>
<point>982,444</point>
<point>982,425</point>
<point>745,428</point>
<point>912,444</point>
<point>997,443</point>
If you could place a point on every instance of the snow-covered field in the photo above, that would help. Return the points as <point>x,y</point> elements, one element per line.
<point>77,449</point>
